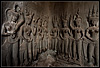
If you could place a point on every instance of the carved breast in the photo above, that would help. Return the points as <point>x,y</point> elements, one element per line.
<point>65,30</point>
<point>94,31</point>
<point>10,27</point>
<point>55,30</point>
<point>27,30</point>
<point>78,30</point>
<point>40,30</point>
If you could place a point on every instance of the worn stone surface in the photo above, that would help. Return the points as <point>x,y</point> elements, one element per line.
<point>50,34</point>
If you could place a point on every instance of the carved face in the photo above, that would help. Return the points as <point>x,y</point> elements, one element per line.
<point>94,22</point>
<point>9,15</point>
<point>8,28</point>
<point>14,17</point>
<point>28,31</point>
<point>26,13</point>
<point>17,9</point>
<point>45,24</point>
<point>78,21</point>
<point>40,22</point>
<point>65,25</point>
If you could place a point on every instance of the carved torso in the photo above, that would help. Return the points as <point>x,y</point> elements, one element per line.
<point>45,32</point>
<point>34,30</point>
<point>10,27</point>
<point>28,19</point>
<point>77,32</point>
<point>40,33</point>
<point>54,32</point>
<point>27,32</point>
<point>94,31</point>
<point>65,31</point>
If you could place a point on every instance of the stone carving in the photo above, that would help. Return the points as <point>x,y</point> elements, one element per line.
<point>39,36</point>
<point>92,33</point>
<point>34,28</point>
<point>45,35</point>
<point>30,40</point>
<point>65,37</point>
<point>26,34</point>
<point>78,35</point>
<point>54,33</point>
<point>12,26</point>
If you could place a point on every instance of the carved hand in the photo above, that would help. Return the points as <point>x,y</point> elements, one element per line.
<point>59,38</point>
<point>71,38</point>
<point>30,39</point>
<point>94,40</point>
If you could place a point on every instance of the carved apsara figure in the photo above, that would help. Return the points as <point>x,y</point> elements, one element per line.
<point>34,35</point>
<point>45,33</point>
<point>25,47</point>
<point>12,29</point>
<point>54,34</point>
<point>92,33</point>
<point>39,36</point>
<point>65,37</point>
<point>78,35</point>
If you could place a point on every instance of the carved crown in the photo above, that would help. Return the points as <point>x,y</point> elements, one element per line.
<point>93,14</point>
<point>77,16</point>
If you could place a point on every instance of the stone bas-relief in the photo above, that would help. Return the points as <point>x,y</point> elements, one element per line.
<point>30,41</point>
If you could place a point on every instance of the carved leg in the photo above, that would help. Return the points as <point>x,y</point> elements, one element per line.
<point>56,44</point>
<point>91,49</point>
<point>57,49</point>
<point>79,44</point>
<point>97,53</point>
<point>43,44</point>
<point>66,48</point>
<point>34,49</point>
<point>53,42</point>
<point>21,54</point>
<point>59,43</point>
<point>33,44</point>
<point>4,54</point>
<point>46,44</point>
<point>63,46</point>
<point>8,56</point>
<point>15,54</point>
<point>6,49</point>
<point>85,50</point>
<point>74,50</point>
<point>40,46</point>
<point>25,52</point>
<point>70,49</point>
<point>21,57</point>
<point>35,52</point>
<point>29,51</point>
<point>49,44</point>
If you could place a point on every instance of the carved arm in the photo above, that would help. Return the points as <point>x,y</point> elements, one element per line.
<point>3,31</point>
<point>88,35</point>
<point>20,22</point>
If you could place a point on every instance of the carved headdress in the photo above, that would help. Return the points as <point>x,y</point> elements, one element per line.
<point>77,16</point>
<point>6,12</point>
<point>93,15</point>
